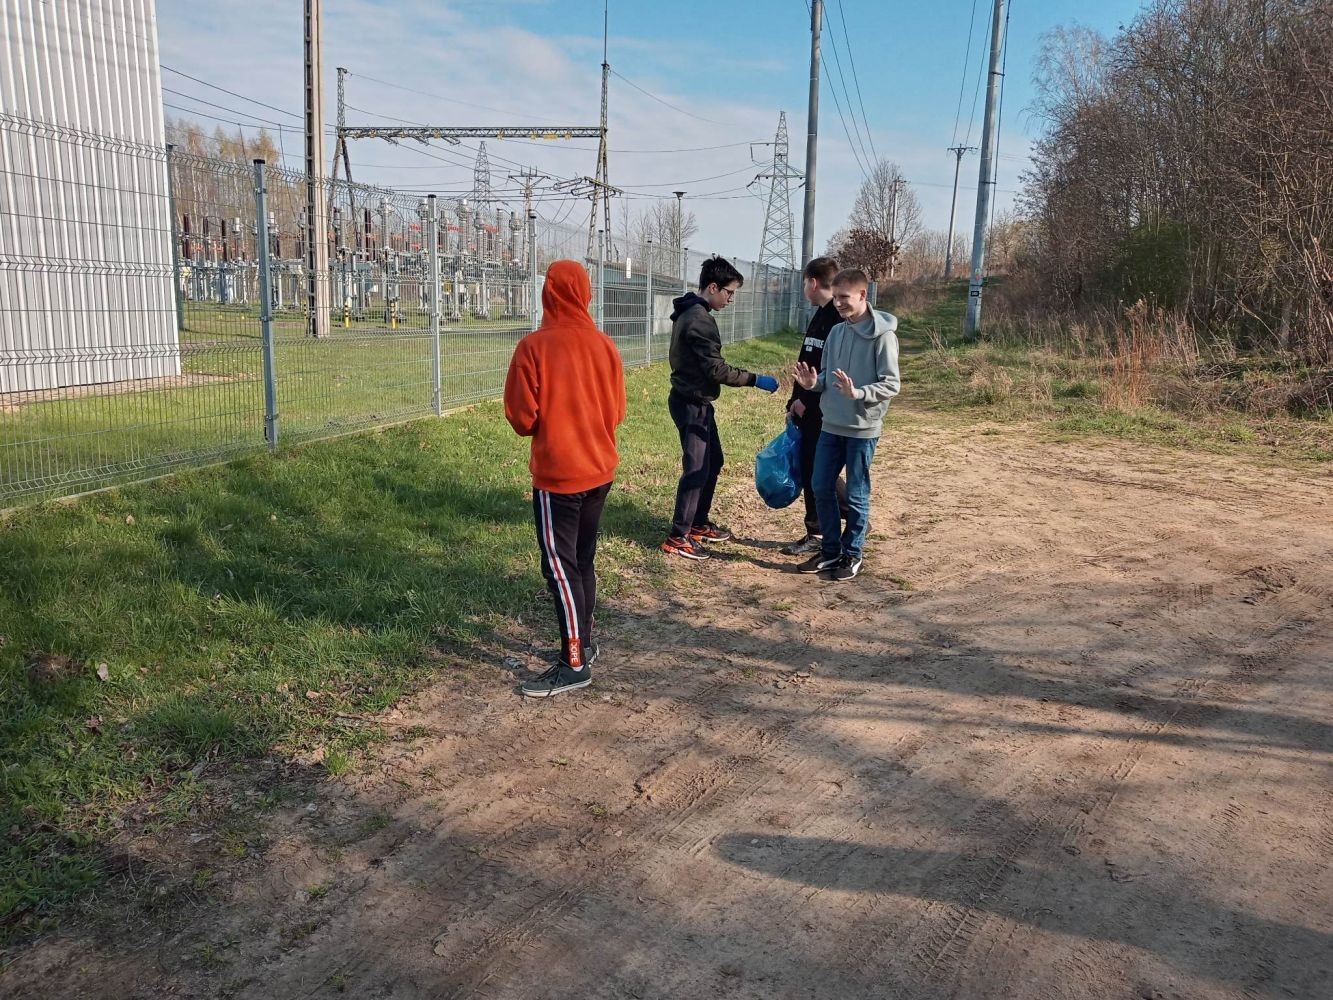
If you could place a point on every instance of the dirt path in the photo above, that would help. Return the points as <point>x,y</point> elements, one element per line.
<point>1082,752</point>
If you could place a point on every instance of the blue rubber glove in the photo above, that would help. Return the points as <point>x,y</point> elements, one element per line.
<point>766,382</point>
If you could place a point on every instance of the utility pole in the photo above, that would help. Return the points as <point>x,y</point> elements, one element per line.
<point>959,152</point>
<point>986,180</point>
<point>317,235</point>
<point>811,135</point>
<point>897,185</point>
<point>528,178</point>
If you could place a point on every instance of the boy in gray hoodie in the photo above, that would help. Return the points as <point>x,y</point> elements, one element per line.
<point>858,377</point>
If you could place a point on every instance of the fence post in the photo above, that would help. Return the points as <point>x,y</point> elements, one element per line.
<point>177,291</point>
<point>532,262</point>
<point>601,278</point>
<point>433,235</point>
<point>752,323</point>
<point>684,266</point>
<point>652,320</point>
<point>266,308</point>
<point>763,329</point>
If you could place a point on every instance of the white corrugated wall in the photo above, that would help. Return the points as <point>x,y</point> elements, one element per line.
<point>85,228</point>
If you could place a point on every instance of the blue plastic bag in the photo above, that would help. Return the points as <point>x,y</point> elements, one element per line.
<point>777,469</point>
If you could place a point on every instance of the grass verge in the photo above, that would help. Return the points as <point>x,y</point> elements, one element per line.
<point>1227,409</point>
<point>228,614</point>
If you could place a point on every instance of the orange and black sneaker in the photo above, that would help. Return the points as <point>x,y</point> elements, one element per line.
<point>686,548</point>
<point>709,532</point>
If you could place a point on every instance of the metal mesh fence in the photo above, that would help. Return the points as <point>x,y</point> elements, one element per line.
<point>155,307</point>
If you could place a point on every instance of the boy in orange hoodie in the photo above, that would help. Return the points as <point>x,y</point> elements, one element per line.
<point>566,391</point>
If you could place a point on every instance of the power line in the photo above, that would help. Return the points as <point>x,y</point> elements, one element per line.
<point>694,180</point>
<point>228,121</point>
<point>838,105</point>
<point>211,104</point>
<point>999,118</point>
<point>437,97</point>
<point>967,61</point>
<point>976,93</point>
<point>851,59</point>
<point>851,112</point>
<point>233,93</point>
<point>566,147</point>
<point>515,163</point>
<point>688,114</point>
<point>865,174</point>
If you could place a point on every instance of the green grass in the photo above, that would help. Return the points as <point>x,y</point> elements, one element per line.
<point>256,605</point>
<point>354,379</point>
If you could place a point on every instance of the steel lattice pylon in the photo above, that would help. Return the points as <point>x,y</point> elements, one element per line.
<point>481,179</point>
<point>778,248</point>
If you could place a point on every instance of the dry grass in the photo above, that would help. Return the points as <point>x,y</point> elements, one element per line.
<point>1143,355</point>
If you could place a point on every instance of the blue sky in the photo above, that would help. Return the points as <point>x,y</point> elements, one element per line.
<point>735,65</point>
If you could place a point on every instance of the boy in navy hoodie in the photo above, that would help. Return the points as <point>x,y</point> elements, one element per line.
<point>804,407</point>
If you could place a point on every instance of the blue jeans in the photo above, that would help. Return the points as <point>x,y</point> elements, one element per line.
<point>835,453</point>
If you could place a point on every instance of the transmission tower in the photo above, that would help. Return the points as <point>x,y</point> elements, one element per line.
<point>778,245</point>
<point>601,184</point>
<point>481,198</point>
<point>340,154</point>
<point>481,178</point>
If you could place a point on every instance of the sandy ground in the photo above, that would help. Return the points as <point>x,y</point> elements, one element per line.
<point>1069,736</point>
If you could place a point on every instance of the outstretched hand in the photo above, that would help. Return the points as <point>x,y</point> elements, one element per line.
<point>766,382</point>
<point>845,384</point>
<point>806,376</point>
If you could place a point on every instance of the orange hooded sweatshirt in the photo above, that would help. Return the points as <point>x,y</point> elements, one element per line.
<point>566,389</point>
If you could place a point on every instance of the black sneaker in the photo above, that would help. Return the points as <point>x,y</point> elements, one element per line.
<point>847,568</point>
<point>557,680</point>
<point>590,653</point>
<point>806,546</point>
<point>817,563</point>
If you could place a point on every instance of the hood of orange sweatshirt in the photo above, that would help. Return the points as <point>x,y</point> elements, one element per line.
<point>566,295</point>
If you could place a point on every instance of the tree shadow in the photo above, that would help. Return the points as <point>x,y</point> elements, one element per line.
<point>1048,897</point>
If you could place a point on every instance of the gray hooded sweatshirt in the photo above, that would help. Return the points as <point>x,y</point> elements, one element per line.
<point>868,353</point>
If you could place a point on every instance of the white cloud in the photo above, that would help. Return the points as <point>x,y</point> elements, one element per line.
<point>457,50</point>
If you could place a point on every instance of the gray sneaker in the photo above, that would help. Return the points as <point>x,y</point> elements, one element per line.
<point>557,680</point>
<point>806,546</point>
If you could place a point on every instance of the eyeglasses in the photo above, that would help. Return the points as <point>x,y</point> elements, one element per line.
<point>731,292</point>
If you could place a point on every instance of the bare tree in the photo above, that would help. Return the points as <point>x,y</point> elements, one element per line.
<point>658,222</point>
<point>1004,239</point>
<point>1187,163</point>
<point>887,205</point>
<point>923,256</point>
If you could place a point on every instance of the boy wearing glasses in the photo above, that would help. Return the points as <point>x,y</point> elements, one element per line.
<point>698,372</point>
